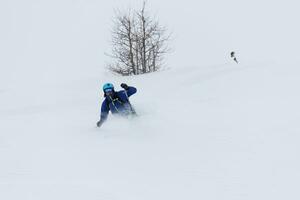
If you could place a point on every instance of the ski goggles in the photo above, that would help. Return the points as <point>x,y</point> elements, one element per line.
<point>109,91</point>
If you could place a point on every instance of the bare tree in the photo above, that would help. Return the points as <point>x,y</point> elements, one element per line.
<point>139,43</point>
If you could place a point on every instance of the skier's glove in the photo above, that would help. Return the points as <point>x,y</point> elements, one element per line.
<point>99,123</point>
<point>125,86</point>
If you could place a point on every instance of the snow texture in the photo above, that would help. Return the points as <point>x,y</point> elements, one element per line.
<point>208,128</point>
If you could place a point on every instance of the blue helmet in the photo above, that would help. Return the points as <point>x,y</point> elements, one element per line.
<point>107,86</point>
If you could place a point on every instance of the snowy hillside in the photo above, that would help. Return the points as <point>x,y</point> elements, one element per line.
<point>207,127</point>
<point>213,132</point>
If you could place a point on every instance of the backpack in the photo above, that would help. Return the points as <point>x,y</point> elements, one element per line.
<point>117,98</point>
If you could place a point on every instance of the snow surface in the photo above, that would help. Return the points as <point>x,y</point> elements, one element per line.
<point>207,127</point>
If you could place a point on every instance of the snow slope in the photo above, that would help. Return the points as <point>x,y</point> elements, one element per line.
<point>213,132</point>
<point>207,128</point>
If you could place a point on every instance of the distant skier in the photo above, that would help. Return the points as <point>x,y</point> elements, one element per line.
<point>232,54</point>
<point>116,102</point>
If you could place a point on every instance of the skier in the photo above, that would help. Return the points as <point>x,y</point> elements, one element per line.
<point>116,102</point>
<point>232,55</point>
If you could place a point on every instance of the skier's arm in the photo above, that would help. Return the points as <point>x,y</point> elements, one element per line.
<point>104,113</point>
<point>129,89</point>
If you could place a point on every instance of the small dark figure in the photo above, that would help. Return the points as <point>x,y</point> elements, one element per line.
<point>232,54</point>
<point>116,101</point>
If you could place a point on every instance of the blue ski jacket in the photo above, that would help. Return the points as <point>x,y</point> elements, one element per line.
<point>119,104</point>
